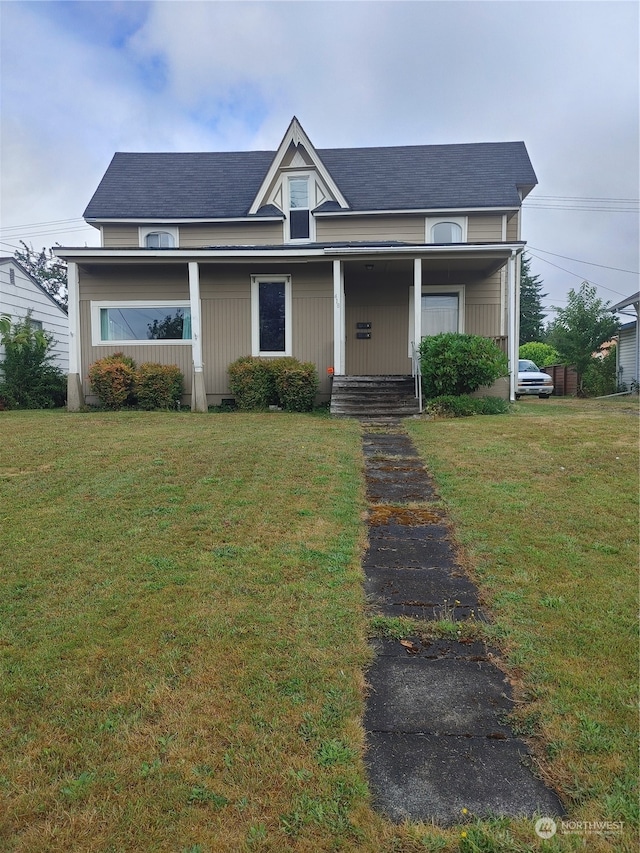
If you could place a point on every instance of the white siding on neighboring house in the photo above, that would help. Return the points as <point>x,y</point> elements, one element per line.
<point>627,355</point>
<point>19,293</point>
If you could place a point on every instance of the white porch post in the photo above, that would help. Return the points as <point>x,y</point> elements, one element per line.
<point>338,319</point>
<point>198,392</point>
<point>513,323</point>
<point>417,302</point>
<point>75,397</point>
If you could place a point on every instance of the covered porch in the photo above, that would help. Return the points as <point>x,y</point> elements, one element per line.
<point>386,301</point>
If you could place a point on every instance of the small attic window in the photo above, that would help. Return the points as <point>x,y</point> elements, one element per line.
<point>159,240</point>
<point>446,230</point>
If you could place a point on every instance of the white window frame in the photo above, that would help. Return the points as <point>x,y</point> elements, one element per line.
<point>96,339</point>
<point>256,280</point>
<point>437,290</point>
<point>436,220</point>
<point>311,193</point>
<point>145,230</point>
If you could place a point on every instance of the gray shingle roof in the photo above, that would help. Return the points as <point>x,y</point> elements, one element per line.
<point>224,184</point>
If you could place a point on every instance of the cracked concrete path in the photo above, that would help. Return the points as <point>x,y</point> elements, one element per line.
<point>437,726</point>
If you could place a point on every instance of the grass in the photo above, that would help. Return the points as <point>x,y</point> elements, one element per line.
<point>545,502</point>
<point>183,636</point>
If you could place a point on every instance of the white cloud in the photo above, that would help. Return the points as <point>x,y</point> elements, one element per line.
<point>93,78</point>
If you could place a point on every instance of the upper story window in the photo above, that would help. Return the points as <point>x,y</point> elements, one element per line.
<point>446,229</point>
<point>299,212</point>
<point>158,237</point>
<point>446,232</point>
<point>159,240</point>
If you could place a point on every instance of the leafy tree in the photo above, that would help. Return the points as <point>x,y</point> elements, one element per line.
<point>543,354</point>
<point>28,378</point>
<point>168,329</point>
<point>531,316</point>
<point>581,328</point>
<point>600,377</point>
<point>50,272</point>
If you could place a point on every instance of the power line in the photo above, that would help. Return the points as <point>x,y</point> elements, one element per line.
<point>577,275</point>
<point>31,225</point>
<point>590,263</point>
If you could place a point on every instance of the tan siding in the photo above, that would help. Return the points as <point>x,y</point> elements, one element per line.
<point>482,320</point>
<point>120,236</point>
<point>512,228</point>
<point>408,229</point>
<point>169,354</point>
<point>129,283</point>
<point>232,234</point>
<point>482,304</point>
<point>226,318</point>
<point>381,298</point>
<point>484,229</point>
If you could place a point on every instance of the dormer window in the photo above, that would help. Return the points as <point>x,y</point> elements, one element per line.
<point>299,214</point>
<point>158,236</point>
<point>159,240</point>
<point>446,230</point>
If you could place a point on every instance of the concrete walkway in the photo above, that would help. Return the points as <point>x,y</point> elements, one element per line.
<point>437,736</point>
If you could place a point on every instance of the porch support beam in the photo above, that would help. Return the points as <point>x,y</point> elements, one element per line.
<point>75,396</point>
<point>417,302</point>
<point>513,323</point>
<point>198,392</point>
<point>338,319</point>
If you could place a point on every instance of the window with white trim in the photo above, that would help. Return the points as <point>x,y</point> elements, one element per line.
<point>441,310</point>
<point>271,329</point>
<point>299,212</point>
<point>158,237</point>
<point>140,322</point>
<point>446,229</point>
<point>159,240</point>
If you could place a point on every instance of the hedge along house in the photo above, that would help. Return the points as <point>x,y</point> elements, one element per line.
<point>343,257</point>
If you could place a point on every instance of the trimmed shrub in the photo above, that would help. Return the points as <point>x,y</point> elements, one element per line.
<point>296,384</point>
<point>540,353</point>
<point>28,377</point>
<point>258,383</point>
<point>463,406</point>
<point>454,364</point>
<point>252,384</point>
<point>113,380</point>
<point>158,386</point>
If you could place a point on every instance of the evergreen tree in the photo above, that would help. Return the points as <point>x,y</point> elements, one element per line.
<point>50,272</point>
<point>531,316</point>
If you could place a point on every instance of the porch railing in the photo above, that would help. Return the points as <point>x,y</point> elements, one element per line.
<point>416,372</point>
<point>501,341</point>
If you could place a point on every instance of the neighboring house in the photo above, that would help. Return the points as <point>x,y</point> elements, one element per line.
<point>628,350</point>
<point>344,257</point>
<point>20,293</point>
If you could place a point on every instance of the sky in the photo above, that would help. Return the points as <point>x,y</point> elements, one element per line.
<point>82,80</point>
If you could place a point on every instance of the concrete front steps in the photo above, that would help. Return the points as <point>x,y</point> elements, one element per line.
<point>373,396</point>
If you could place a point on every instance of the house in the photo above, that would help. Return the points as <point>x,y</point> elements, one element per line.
<point>628,350</point>
<point>20,293</point>
<point>345,257</point>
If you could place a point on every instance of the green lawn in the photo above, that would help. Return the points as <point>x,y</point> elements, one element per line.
<point>183,632</point>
